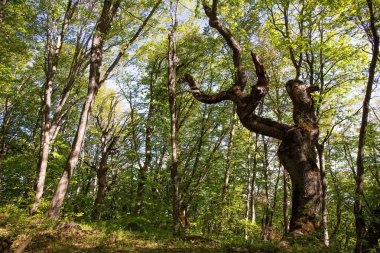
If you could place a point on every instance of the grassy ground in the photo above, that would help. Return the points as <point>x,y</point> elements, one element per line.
<point>21,233</point>
<point>17,230</point>
<point>73,239</point>
<point>96,241</point>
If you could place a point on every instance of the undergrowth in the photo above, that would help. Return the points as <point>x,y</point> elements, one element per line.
<point>126,235</point>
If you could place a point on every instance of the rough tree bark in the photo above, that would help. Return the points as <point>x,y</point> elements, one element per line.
<point>297,150</point>
<point>297,154</point>
<point>172,76</point>
<point>361,233</point>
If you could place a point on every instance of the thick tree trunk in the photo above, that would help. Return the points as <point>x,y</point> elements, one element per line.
<point>173,63</point>
<point>361,245</point>
<point>298,156</point>
<point>108,12</point>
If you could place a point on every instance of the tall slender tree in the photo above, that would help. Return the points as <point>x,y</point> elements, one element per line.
<point>149,128</point>
<point>172,76</point>
<point>360,220</point>
<point>100,33</point>
<point>53,51</point>
<point>230,141</point>
<point>102,28</point>
<point>111,124</point>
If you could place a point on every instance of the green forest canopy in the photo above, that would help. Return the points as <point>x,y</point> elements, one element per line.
<point>235,120</point>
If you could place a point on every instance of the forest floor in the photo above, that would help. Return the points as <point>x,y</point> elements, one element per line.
<point>21,233</point>
<point>71,237</point>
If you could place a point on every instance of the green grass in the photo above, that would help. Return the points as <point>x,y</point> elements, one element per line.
<point>110,236</point>
<point>17,226</point>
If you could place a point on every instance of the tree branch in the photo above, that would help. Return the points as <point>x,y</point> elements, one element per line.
<point>206,98</point>
<point>130,42</point>
<point>242,78</point>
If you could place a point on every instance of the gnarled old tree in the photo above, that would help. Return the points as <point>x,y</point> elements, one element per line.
<point>297,152</point>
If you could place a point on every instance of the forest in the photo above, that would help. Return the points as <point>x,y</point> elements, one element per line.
<point>189,126</point>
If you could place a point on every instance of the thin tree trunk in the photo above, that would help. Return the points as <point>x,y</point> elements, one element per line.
<point>320,150</point>
<point>63,184</point>
<point>148,159</point>
<point>52,66</point>
<point>227,172</point>
<point>274,204</point>
<point>253,181</point>
<point>269,208</point>
<point>285,207</point>
<point>321,147</point>
<point>338,197</point>
<point>265,221</point>
<point>78,66</point>
<point>101,174</point>
<point>108,12</point>
<point>6,122</point>
<point>249,185</point>
<point>173,63</point>
<point>148,148</point>
<point>359,192</point>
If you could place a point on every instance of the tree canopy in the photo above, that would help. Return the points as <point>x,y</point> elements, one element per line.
<point>233,125</point>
